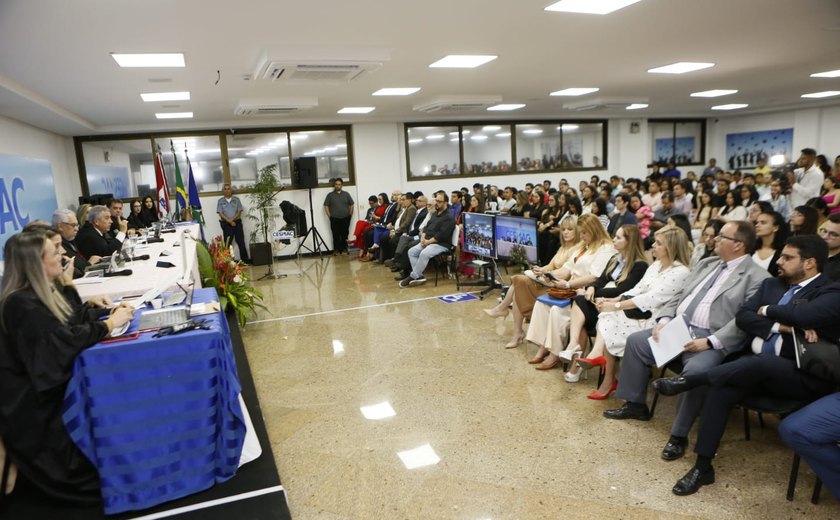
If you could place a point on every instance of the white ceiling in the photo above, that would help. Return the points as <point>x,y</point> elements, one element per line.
<point>56,72</point>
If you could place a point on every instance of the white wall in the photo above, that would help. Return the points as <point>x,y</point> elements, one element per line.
<point>20,139</point>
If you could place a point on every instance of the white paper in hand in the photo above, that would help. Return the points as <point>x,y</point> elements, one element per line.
<point>672,337</point>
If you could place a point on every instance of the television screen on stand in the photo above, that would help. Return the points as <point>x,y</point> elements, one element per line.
<point>479,234</point>
<point>516,234</point>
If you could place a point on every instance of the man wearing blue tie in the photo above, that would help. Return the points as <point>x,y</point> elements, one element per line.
<point>802,298</point>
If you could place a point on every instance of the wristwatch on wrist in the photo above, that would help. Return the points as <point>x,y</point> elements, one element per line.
<point>617,306</point>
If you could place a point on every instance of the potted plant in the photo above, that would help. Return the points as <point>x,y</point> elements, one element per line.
<point>263,195</point>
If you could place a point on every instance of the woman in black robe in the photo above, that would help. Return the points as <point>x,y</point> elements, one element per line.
<point>44,327</point>
<point>149,212</point>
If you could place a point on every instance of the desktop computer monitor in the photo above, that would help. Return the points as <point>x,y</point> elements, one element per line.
<point>516,233</point>
<point>479,234</point>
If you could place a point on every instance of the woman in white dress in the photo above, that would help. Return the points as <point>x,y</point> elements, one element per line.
<point>549,326</point>
<point>634,310</point>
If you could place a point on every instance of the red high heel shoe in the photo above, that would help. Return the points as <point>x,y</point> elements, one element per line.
<point>588,363</point>
<point>598,397</point>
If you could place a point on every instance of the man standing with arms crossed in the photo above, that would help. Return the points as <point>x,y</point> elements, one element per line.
<point>339,207</point>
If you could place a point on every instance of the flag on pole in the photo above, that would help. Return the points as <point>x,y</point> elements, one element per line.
<point>162,188</point>
<point>180,193</point>
<point>194,201</point>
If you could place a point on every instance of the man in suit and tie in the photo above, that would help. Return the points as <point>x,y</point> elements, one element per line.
<point>406,216</point>
<point>94,239</point>
<point>410,238</point>
<point>67,225</point>
<point>801,297</point>
<point>708,302</point>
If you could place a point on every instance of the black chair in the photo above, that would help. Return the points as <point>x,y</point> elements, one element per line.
<point>675,365</point>
<point>447,262</point>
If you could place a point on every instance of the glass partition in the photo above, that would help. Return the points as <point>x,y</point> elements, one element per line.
<point>679,141</point>
<point>487,149</point>
<point>433,151</point>
<point>122,168</point>
<point>249,153</point>
<point>205,155</point>
<point>329,147</point>
<point>538,147</point>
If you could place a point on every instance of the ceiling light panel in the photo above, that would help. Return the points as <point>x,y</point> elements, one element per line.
<point>174,115</point>
<point>407,91</point>
<point>149,60</point>
<point>590,6</point>
<point>713,93</point>
<point>681,67</point>
<point>824,94</point>
<point>356,110</point>
<point>576,91</point>
<point>637,106</point>
<point>151,97</point>
<point>827,74</point>
<point>506,107</point>
<point>462,61</point>
<point>731,106</point>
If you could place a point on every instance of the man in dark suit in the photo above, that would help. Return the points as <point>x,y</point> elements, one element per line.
<point>801,297</point>
<point>406,216</point>
<point>410,238</point>
<point>94,238</point>
<point>67,225</point>
<point>623,215</point>
<point>709,301</point>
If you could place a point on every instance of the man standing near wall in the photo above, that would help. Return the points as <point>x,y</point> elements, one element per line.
<point>230,210</point>
<point>806,181</point>
<point>339,208</point>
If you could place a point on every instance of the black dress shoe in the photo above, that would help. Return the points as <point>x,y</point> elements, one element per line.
<point>671,385</point>
<point>629,410</point>
<point>693,481</point>
<point>675,449</point>
<point>401,276</point>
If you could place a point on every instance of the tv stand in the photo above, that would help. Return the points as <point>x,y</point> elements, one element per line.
<point>489,272</point>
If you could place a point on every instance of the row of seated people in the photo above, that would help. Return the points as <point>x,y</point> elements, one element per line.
<point>740,315</point>
<point>43,327</point>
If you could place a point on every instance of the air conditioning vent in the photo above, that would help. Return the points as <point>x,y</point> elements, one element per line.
<point>274,107</point>
<point>611,104</point>
<point>457,104</point>
<point>306,65</point>
<point>329,73</point>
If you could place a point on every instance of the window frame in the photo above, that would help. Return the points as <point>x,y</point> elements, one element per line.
<point>674,122</point>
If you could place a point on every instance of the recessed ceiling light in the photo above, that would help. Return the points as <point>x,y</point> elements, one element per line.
<point>574,91</point>
<point>732,106</point>
<point>589,6</point>
<point>636,106</point>
<point>356,110</point>
<point>533,131</point>
<point>434,137</point>
<point>175,59</point>
<point>453,140</point>
<point>503,134</point>
<point>713,93</point>
<point>491,128</point>
<point>569,127</point>
<point>415,141</point>
<point>174,115</point>
<point>165,96</point>
<point>681,67</point>
<point>505,107</point>
<point>479,138</point>
<point>826,93</point>
<point>396,91</point>
<point>827,74</point>
<point>462,61</point>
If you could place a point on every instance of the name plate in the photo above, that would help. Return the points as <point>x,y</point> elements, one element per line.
<point>281,235</point>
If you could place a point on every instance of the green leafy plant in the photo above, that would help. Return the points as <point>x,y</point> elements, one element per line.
<point>263,194</point>
<point>518,256</point>
<point>218,269</point>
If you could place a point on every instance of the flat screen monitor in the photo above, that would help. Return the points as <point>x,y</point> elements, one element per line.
<point>516,233</point>
<point>479,234</point>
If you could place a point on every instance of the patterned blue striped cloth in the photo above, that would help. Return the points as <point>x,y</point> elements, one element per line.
<point>158,417</point>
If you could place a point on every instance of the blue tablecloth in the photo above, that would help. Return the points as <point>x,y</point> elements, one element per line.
<point>158,417</point>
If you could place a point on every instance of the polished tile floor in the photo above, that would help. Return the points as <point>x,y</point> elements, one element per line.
<point>387,403</point>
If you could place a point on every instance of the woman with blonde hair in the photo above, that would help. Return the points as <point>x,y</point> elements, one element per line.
<point>579,271</point>
<point>45,326</point>
<point>623,272</point>
<point>633,310</point>
<point>524,291</point>
<point>82,213</point>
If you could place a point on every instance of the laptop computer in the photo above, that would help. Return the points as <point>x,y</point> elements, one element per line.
<point>160,318</point>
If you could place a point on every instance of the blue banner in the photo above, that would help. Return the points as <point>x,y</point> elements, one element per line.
<point>26,193</point>
<point>457,297</point>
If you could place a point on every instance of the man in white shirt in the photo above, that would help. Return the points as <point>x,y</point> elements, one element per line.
<point>508,200</point>
<point>805,182</point>
<point>681,200</point>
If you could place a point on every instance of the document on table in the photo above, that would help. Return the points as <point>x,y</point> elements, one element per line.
<point>672,337</point>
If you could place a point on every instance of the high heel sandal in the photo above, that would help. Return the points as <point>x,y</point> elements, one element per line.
<point>550,365</point>
<point>598,397</point>
<point>515,341</point>
<point>569,354</point>
<point>497,314</point>
<point>536,360</point>
<point>587,363</point>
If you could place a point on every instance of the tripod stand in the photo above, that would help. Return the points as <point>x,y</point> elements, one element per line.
<point>318,243</point>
